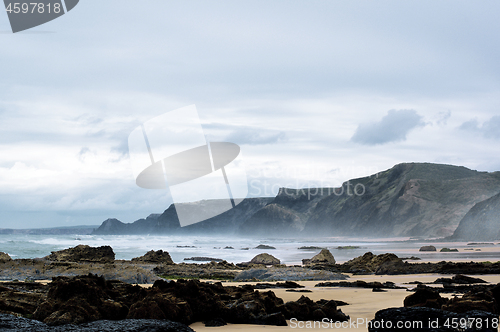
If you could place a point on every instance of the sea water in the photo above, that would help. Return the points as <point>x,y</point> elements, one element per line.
<point>181,247</point>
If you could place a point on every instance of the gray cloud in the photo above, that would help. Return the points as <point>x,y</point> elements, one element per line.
<point>488,129</point>
<point>392,128</point>
<point>252,137</point>
<point>244,134</point>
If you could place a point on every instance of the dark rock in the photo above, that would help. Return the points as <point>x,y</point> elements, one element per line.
<point>460,279</point>
<point>424,297</point>
<point>157,257</point>
<point>360,284</point>
<point>264,246</point>
<point>215,322</point>
<point>20,324</point>
<point>203,259</point>
<point>325,257</point>
<point>419,319</point>
<point>310,248</point>
<point>427,248</point>
<point>286,284</point>
<point>477,299</point>
<point>83,253</point>
<point>306,309</point>
<point>377,289</point>
<point>448,250</point>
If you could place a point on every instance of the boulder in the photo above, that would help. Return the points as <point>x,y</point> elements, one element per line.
<point>4,257</point>
<point>83,253</point>
<point>156,257</point>
<point>419,319</point>
<point>424,297</point>
<point>427,248</point>
<point>265,259</point>
<point>325,257</point>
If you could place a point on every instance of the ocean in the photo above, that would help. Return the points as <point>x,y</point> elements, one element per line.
<point>287,249</point>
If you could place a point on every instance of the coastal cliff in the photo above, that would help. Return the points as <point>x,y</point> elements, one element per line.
<point>481,223</point>
<point>408,200</point>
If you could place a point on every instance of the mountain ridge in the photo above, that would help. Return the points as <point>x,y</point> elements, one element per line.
<point>407,200</point>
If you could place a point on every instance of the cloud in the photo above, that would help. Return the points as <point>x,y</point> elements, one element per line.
<point>489,129</point>
<point>443,118</point>
<point>244,134</point>
<point>394,127</point>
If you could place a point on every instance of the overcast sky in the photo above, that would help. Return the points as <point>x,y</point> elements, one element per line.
<point>314,92</point>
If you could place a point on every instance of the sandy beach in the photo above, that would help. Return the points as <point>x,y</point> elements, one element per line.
<point>363,303</point>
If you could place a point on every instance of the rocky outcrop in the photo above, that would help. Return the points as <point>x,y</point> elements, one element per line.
<point>90,298</point>
<point>265,259</point>
<point>11,323</point>
<point>481,223</point>
<point>424,297</point>
<point>156,257</point>
<point>287,274</point>
<point>4,257</point>
<point>370,263</point>
<point>324,257</point>
<point>212,270</point>
<point>420,318</point>
<point>427,248</point>
<point>83,253</point>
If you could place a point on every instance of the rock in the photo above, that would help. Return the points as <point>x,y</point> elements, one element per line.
<point>310,248</point>
<point>424,297</point>
<point>448,250</point>
<point>228,247</point>
<point>360,284</point>
<point>265,259</point>
<point>287,273</point>
<point>212,270</point>
<point>4,257</point>
<point>216,322</point>
<point>478,299</point>
<point>306,309</point>
<point>156,257</point>
<point>203,259</point>
<point>378,290</point>
<point>10,323</point>
<point>427,248</point>
<point>419,318</point>
<point>369,263</point>
<point>325,257</point>
<point>286,284</point>
<point>264,246</point>
<point>460,279</point>
<point>83,253</point>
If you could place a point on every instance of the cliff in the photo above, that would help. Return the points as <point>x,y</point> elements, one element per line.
<point>408,200</point>
<point>412,199</point>
<point>481,223</point>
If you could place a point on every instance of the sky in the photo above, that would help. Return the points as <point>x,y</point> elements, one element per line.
<point>314,92</point>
